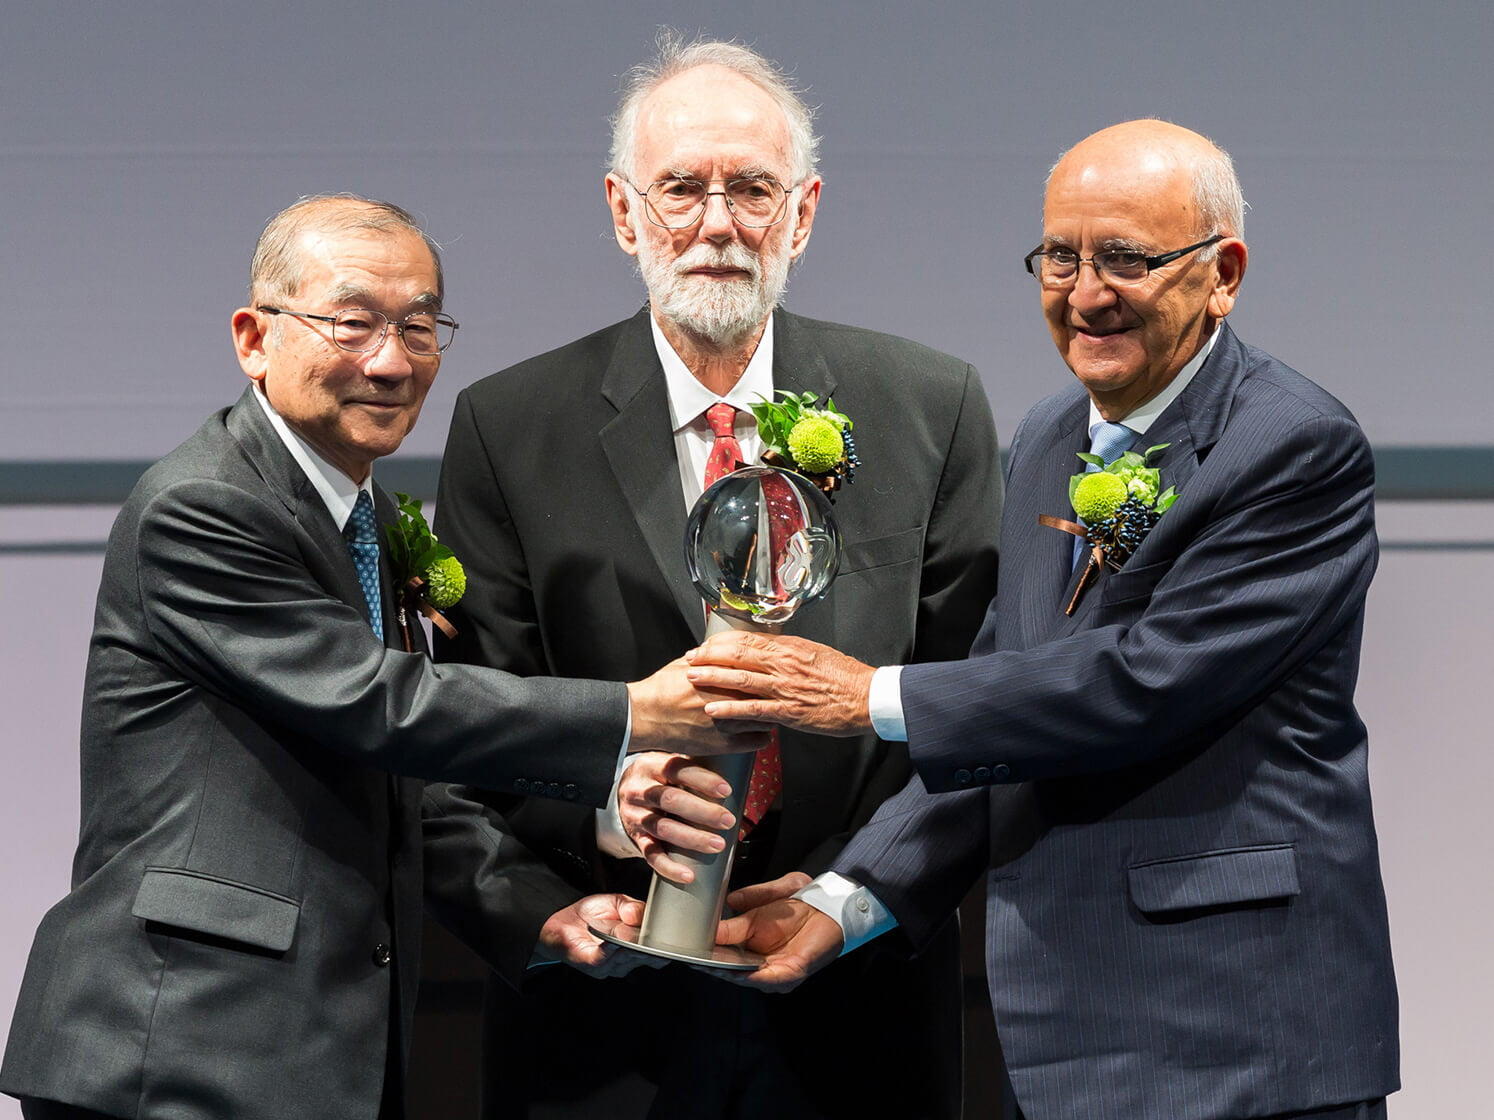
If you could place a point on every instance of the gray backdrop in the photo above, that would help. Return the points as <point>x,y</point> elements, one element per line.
<point>142,146</point>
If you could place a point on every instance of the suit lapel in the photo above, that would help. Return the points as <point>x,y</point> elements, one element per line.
<point>250,427</point>
<point>639,446</point>
<point>1189,427</point>
<point>799,366</point>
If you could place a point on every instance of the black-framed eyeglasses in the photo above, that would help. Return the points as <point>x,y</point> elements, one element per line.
<point>358,329</point>
<point>755,202</point>
<point>1059,267</point>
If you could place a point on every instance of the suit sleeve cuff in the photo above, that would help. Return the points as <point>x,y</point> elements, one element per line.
<point>885,704</point>
<point>859,913</point>
<point>612,838</point>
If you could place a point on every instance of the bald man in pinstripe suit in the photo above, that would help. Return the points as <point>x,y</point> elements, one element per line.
<point>1166,788</point>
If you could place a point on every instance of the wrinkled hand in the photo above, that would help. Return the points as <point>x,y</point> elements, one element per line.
<point>669,715</point>
<point>667,803</point>
<point>796,938</point>
<point>760,894</point>
<point>564,937</point>
<point>790,681</point>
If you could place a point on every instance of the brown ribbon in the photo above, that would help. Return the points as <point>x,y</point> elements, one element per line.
<point>1092,565</point>
<point>411,597</point>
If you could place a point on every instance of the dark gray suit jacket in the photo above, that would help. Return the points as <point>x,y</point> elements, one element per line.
<point>1168,790</point>
<point>248,870</point>
<point>560,484</point>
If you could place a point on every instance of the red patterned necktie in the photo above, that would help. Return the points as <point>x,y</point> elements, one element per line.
<point>725,457</point>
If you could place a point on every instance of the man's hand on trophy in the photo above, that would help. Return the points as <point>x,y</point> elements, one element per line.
<point>785,680</point>
<point>796,939</point>
<point>667,803</point>
<point>669,715</point>
<point>565,937</point>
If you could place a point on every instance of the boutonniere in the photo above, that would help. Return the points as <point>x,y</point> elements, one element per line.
<point>428,578</point>
<point>1118,505</point>
<point>800,435</point>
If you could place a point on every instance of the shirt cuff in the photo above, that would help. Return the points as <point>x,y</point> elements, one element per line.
<point>859,913</point>
<point>884,702</point>
<point>612,838</point>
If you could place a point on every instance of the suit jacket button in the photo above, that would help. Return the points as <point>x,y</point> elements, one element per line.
<point>521,785</point>
<point>382,955</point>
<point>982,773</point>
<point>553,789</point>
<point>962,777</point>
<point>1001,771</point>
<point>572,791</point>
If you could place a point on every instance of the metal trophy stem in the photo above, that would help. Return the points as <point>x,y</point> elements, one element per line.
<point>680,919</point>
<point>759,543</point>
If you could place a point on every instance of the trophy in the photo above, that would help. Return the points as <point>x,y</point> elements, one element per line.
<point>760,543</point>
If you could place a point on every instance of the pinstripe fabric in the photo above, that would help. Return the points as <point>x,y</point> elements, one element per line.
<point>1168,790</point>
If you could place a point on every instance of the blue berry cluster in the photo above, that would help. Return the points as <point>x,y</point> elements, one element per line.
<point>852,459</point>
<point>1122,532</point>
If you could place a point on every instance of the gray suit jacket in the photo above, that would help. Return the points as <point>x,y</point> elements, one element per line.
<point>560,483</point>
<point>1168,790</point>
<point>248,869</point>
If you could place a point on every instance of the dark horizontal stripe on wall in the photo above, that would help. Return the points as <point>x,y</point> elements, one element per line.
<point>1405,473</point>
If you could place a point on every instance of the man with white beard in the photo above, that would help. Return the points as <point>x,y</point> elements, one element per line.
<point>565,489</point>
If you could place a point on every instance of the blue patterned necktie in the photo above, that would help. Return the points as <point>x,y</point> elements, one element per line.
<point>1108,441</point>
<point>362,534</point>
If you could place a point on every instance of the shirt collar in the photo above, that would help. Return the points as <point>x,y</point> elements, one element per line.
<point>688,398</point>
<point>337,491</point>
<point>1144,416</point>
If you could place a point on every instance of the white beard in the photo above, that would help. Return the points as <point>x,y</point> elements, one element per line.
<point>721,311</point>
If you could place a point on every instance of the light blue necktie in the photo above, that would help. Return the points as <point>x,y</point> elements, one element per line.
<point>1108,441</point>
<point>362,534</point>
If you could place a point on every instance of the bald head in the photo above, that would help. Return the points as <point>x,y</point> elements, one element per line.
<point>1160,155</point>
<point>280,257</point>
<point>1159,196</point>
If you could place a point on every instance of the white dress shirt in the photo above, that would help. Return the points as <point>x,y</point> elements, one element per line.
<point>693,439</point>
<point>338,492</point>
<point>860,914</point>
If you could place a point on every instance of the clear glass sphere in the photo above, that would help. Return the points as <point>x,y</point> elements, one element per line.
<point>761,542</point>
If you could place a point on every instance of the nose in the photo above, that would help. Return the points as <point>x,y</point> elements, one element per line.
<point>389,360</point>
<point>1090,291</point>
<point>717,224</point>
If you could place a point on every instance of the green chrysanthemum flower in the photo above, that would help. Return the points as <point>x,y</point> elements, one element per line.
<point>1143,487</point>
<point>1098,495</point>
<point>445,583</point>
<point>816,444</point>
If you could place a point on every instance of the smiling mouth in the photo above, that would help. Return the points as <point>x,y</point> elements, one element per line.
<point>1100,332</point>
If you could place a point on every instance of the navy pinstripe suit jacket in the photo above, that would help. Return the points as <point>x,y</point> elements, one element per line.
<point>1167,790</point>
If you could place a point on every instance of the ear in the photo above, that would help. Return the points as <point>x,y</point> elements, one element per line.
<point>809,201</point>
<point>1229,270</point>
<point>621,200</point>
<point>250,329</point>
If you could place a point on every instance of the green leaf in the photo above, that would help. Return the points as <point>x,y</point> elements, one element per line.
<point>1150,451</point>
<point>1166,498</point>
<point>1073,485</point>
<point>1091,458</point>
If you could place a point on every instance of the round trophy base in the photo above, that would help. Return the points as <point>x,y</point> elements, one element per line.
<point>728,957</point>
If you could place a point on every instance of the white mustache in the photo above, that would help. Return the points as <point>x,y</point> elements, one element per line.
<point>727,256</point>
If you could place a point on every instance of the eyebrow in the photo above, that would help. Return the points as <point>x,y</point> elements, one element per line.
<point>751,171</point>
<point>362,297</point>
<point>1108,245</point>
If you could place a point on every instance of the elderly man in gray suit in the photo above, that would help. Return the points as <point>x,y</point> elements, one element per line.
<point>242,936</point>
<point>1165,779</point>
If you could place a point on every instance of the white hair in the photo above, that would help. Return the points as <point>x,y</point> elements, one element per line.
<point>673,56</point>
